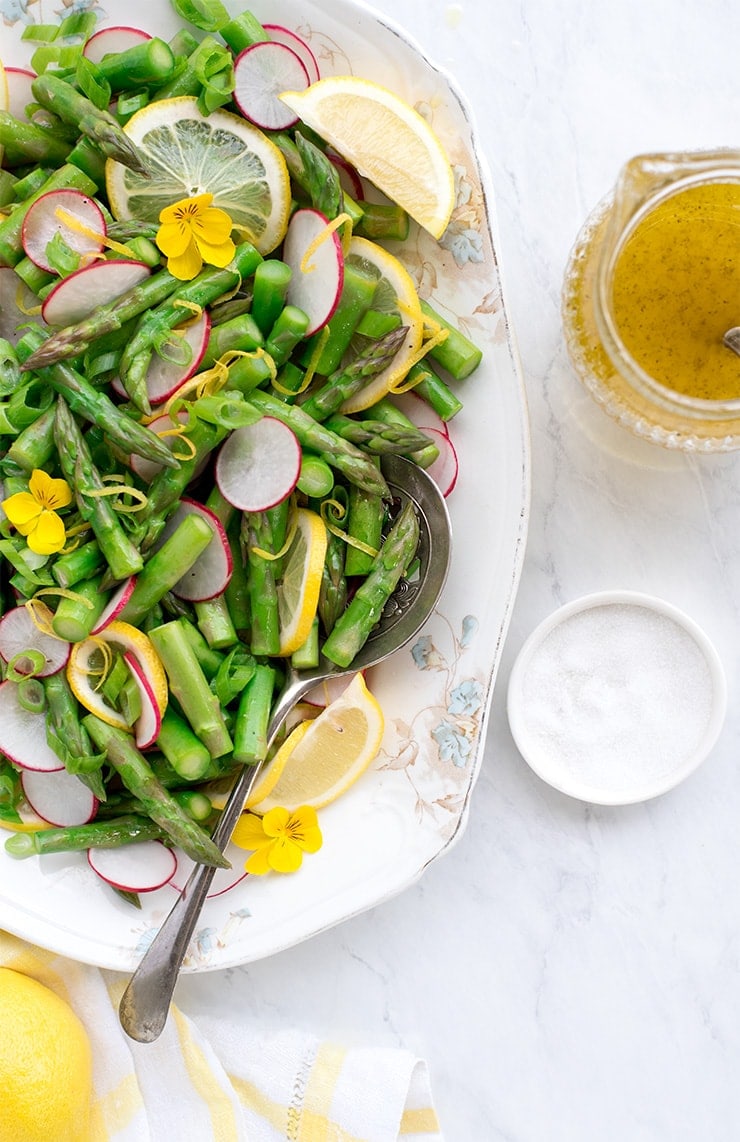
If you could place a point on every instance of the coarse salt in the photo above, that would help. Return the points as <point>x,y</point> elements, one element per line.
<point>615,700</point>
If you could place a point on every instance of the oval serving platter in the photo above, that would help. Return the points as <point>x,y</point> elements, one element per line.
<point>411,805</point>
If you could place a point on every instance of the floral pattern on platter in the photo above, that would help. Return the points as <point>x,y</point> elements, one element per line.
<point>452,721</point>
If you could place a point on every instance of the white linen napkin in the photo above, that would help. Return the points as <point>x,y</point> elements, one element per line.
<point>212,1080</point>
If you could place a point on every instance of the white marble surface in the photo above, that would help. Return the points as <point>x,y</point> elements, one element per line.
<point>570,973</point>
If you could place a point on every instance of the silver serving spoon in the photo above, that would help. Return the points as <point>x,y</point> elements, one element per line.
<point>146,1001</point>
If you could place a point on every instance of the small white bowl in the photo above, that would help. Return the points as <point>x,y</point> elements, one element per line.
<point>616,698</point>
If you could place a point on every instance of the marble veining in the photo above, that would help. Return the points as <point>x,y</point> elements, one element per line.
<point>571,973</point>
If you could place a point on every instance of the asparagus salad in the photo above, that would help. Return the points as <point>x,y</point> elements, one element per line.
<point>204,344</point>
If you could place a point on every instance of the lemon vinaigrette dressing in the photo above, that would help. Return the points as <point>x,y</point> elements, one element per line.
<point>676,291</point>
<point>651,290</point>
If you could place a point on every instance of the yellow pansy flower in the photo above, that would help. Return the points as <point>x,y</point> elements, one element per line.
<point>34,513</point>
<point>193,232</point>
<point>279,839</point>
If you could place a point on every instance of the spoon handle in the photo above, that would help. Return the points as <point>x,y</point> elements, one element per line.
<point>146,1000</point>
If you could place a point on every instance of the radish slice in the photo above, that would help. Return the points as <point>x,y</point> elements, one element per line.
<point>444,469</point>
<point>85,290</point>
<point>140,867</point>
<point>348,176</point>
<point>261,73</point>
<point>149,722</point>
<point>18,632</point>
<point>164,377</point>
<point>115,604</point>
<point>59,797</point>
<point>19,91</point>
<point>148,469</point>
<point>314,254</point>
<point>23,734</point>
<point>42,223</point>
<point>419,412</point>
<point>210,574</point>
<point>281,35</point>
<point>258,465</point>
<point>118,38</point>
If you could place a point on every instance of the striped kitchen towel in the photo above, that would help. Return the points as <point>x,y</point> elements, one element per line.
<point>212,1080</point>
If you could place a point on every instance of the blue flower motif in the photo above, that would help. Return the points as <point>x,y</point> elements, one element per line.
<point>425,654</point>
<point>453,745</point>
<point>465,244</point>
<point>14,10</point>
<point>466,698</point>
<point>469,630</point>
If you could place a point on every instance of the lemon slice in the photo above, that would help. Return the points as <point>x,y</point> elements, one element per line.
<point>87,658</point>
<point>189,154</point>
<point>298,590</point>
<point>395,294</point>
<point>321,759</point>
<point>386,140</point>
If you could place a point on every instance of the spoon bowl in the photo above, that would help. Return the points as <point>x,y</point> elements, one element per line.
<point>146,1001</point>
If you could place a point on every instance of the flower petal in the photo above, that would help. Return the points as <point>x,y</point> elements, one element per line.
<point>275,821</point>
<point>215,255</point>
<point>186,266</point>
<point>303,828</point>
<point>249,832</point>
<point>213,225</point>
<point>173,238</point>
<point>310,840</point>
<point>47,534</point>
<point>22,509</point>
<point>258,864</point>
<point>48,492</point>
<point>284,855</point>
<point>186,206</point>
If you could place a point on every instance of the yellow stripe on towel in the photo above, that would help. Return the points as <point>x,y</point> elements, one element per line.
<point>219,1105</point>
<point>422,1121</point>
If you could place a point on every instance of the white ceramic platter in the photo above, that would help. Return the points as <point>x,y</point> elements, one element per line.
<point>412,804</point>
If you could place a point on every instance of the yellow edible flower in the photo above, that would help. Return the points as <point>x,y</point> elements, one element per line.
<point>34,513</point>
<point>279,839</point>
<point>194,232</point>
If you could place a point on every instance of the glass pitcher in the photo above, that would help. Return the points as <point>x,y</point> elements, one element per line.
<point>651,300</point>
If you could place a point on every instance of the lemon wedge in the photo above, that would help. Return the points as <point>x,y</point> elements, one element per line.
<point>395,294</point>
<point>189,154</point>
<point>321,759</point>
<point>86,667</point>
<point>386,140</point>
<point>298,590</point>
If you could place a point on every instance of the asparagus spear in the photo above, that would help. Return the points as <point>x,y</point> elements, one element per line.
<point>345,383</point>
<point>136,774</point>
<point>84,478</point>
<point>355,625</point>
<point>71,106</point>
<point>109,834</point>
<point>68,737</point>
<point>378,437</point>
<point>76,339</point>
<point>341,454</point>
<point>28,143</point>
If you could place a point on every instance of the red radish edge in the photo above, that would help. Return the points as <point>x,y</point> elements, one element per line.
<point>83,291</point>
<point>223,881</point>
<point>41,224</point>
<point>115,604</point>
<point>282,35</point>
<point>59,797</point>
<point>148,469</point>
<point>19,91</point>
<point>120,37</point>
<point>262,72</point>
<point>18,632</point>
<point>317,289</point>
<point>149,723</point>
<point>352,180</point>
<point>445,468</point>
<point>258,465</point>
<point>23,734</point>
<point>142,866</point>
<point>164,377</point>
<point>210,574</point>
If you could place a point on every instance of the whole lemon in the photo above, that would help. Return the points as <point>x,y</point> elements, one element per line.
<point>45,1065</point>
